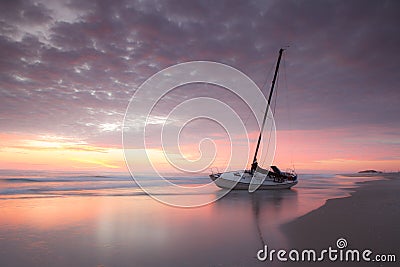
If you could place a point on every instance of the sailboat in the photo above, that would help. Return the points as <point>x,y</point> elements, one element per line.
<point>257,177</point>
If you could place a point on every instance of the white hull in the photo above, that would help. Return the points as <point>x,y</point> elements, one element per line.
<point>240,180</point>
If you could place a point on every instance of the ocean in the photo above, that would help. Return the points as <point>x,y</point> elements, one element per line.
<point>91,219</point>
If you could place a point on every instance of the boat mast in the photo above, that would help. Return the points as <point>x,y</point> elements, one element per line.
<point>269,102</point>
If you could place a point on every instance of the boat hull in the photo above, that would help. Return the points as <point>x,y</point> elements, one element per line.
<point>226,181</point>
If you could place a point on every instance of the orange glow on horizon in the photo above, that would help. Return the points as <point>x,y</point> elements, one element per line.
<point>306,150</point>
<point>32,152</point>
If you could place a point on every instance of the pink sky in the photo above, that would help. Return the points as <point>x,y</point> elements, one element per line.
<point>68,72</point>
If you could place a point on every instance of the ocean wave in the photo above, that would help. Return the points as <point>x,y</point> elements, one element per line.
<point>85,185</point>
<point>65,179</point>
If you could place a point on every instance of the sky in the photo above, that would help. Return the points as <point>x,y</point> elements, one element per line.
<point>68,70</point>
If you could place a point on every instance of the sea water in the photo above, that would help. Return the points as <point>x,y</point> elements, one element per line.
<point>106,219</point>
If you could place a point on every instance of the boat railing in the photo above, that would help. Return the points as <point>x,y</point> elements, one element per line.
<point>214,170</point>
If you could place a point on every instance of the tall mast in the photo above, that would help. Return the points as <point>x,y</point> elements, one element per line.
<point>269,102</point>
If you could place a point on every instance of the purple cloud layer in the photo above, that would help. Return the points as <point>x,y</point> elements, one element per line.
<point>70,67</point>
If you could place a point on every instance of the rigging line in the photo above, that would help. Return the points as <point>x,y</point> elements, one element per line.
<point>288,104</point>
<point>258,101</point>
<point>276,94</point>
<point>267,78</point>
<point>268,105</point>
<point>269,72</point>
<point>272,122</point>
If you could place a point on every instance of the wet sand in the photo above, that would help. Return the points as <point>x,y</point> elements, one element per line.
<point>368,219</point>
<point>81,220</point>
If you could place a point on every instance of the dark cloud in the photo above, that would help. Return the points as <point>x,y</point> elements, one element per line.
<point>24,12</point>
<point>68,76</point>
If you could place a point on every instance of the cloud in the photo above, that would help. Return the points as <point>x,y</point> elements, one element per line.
<point>48,143</point>
<point>24,12</point>
<point>70,68</point>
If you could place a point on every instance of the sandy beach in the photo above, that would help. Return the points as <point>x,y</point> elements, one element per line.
<point>368,219</point>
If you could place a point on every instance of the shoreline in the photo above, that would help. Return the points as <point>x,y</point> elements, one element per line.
<point>368,218</point>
